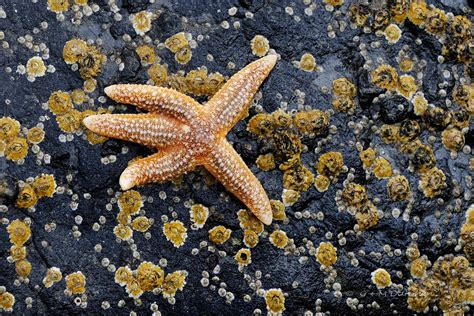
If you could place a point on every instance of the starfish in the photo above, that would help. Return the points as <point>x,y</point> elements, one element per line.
<point>188,134</point>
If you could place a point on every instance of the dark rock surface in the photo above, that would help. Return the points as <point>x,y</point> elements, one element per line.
<point>77,165</point>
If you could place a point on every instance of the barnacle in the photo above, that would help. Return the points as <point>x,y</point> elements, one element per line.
<point>130,202</point>
<point>381,19</point>
<point>367,216</point>
<point>288,147</point>
<point>399,10</point>
<point>460,28</point>
<point>359,14</point>
<point>141,22</point>
<point>463,94</point>
<point>219,234</point>
<point>418,267</point>
<point>354,194</point>
<point>18,232</point>
<point>76,282</point>
<point>467,234</point>
<point>7,300</point>
<point>261,124</point>
<point>35,135</point>
<point>249,221</point>
<point>214,82</point>
<point>74,50</point>
<point>279,239</point>
<point>184,55</point>
<point>158,73</point>
<point>453,139</point>
<point>123,232</point>
<point>175,232</point>
<point>433,182</point>
<point>298,178</point>
<point>91,63</point>
<point>322,183</point>
<point>81,2</point>
<point>406,64</point>
<point>123,276</point>
<point>389,133</point>
<point>173,282</point>
<point>326,254</point>
<point>59,102</point>
<point>408,131</point>
<point>381,278</point>
<point>307,62</point>
<point>243,257</point>
<point>385,77</point>
<point>343,104</point>
<point>278,210</point>
<point>70,121</point>
<point>281,118</point>
<point>17,253</point>
<point>9,128</point>
<point>16,149</point>
<point>176,42</point>
<point>367,156</point>
<point>436,21</point>
<point>26,197</point>
<point>343,87</point>
<point>423,158</point>
<point>149,276</point>
<point>406,86</point>
<point>334,3</point>
<point>259,45</point>
<point>133,288</point>
<point>58,5</point>
<point>420,104</point>
<point>418,297</point>
<point>393,33</point>
<point>275,300</point>
<point>23,268</point>
<point>382,168</point>
<point>330,164</point>
<point>315,121</point>
<point>141,224</point>
<point>44,185</point>
<point>196,81</point>
<point>90,85</point>
<point>417,12</point>
<point>35,67</point>
<point>146,53</point>
<point>266,162</point>
<point>398,188</point>
<point>250,238</point>
<point>199,214</point>
<point>53,275</point>
<point>460,118</point>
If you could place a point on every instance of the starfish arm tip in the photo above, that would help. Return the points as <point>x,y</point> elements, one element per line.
<point>126,181</point>
<point>271,60</point>
<point>89,122</point>
<point>266,218</point>
<point>109,90</point>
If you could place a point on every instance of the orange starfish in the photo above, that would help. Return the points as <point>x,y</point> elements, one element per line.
<point>188,134</point>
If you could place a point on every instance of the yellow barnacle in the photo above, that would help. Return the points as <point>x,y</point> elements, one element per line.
<point>9,128</point>
<point>433,182</point>
<point>124,218</point>
<point>173,282</point>
<point>298,178</point>
<point>389,133</point>
<point>261,124</point>
<point>175,232</point>
<point>91,63</point>
<point>44,185</point>
<point>243,257</point>
<point>278,210</point>
<point>259,45</point>
<point>398,188</point>
<point>141,224</point>
<point>78,96</point>
<point>27,197</point>
<point>7,300</point>
<point>420,104</point>
<point>381,278</point>
<point>74,50</point>
<point>149,276</point>
<point>314,121</point>
<point>35,67</point>
<point>17,253</point>
<point>418,267</point>
<point>436,21</point>
<point>76,282</point>
<point>19,232</point>
<point>53,275</point>
<point>330,164</point>
<point>453,139</point>
<point>279,239</point>
<point>177,42</point>
<point>250,238</point>
<point>70,121</point>
<point>343,104</point>
<point>16,149</point>
<point>290,197</point>
<point>354,194</point>
<point>334,3</point>
<point>184,55</point>
<point>249,221</point>
<point>393,33</point>
<point>196,81</point>
<point>215,81</point>
<point>266,162</point>
<point>158,73</point>
<point>58,6</point>
<point>407,86</point>
<point>146,53</point>
<point>359,14</point>
<point>417,12</point>
<point>382,168</point>
<point>343,87</point>
<point>130,202</point>
<point>35,135</point>
<point>406,64</point>
<point>423,158</point>
<point>90,85</point>
<point>23,268</point>
<point>81,2</point>
<point>141,22</point>
<point>326,254</point>
<point>281,118</point>
<point>367,156</point>
<point>123,276</point>
<point>367,216</point>
<point>385,77</point>
<point>199,214</point>
<point>219,234</point>
<point>275,300</point>
<point>123,232</point>
<point>321,183</point>
<point>59,102</point>
<point>133,288</point>
<point>307,62</point>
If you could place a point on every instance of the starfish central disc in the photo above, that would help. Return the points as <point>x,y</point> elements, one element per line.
<point>188,134</point>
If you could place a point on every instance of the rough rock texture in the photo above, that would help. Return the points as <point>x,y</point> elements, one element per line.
<point>77,165</point>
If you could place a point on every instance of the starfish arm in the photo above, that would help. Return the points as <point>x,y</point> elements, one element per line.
<point>226,165</point>
<point>162,166</point>
<point>230,104</point>
<point>155,99</point>
<point>147,129</point>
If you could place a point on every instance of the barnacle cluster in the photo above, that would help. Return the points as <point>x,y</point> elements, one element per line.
<point>344,92</point>
<point>43,185</point>
<point>355,197</point>
<point>329,166</point>
<point>19,232</point>
<point>179,45</point>
<point>130,203</point>
<point>14,143</point>
<point>53,275</point>
<point>467,234</point>
<point>88,57</point>
<point>386,77</point>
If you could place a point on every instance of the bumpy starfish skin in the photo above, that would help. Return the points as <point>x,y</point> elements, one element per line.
<point>188,134</point>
